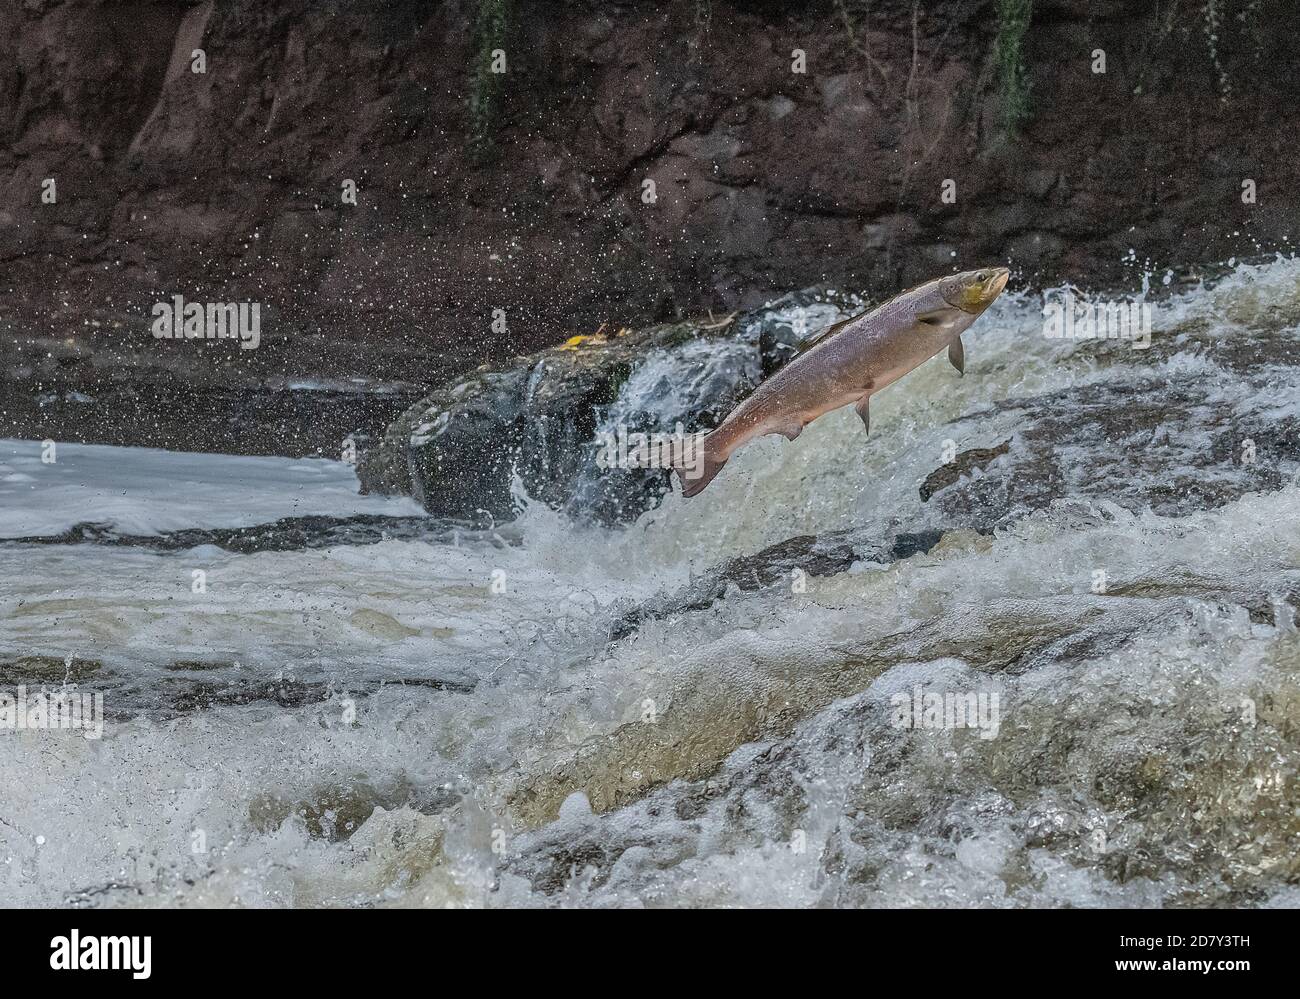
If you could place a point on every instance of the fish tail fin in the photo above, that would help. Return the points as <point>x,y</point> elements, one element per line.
<point>696,464</point>
<point>694,484</point>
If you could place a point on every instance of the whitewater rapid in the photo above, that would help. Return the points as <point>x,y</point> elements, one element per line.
<point>444,720</point>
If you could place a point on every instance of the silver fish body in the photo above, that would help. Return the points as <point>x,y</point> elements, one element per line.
<point>853,362</point>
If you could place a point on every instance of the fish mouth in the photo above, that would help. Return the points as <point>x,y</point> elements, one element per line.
<point>995,284</point>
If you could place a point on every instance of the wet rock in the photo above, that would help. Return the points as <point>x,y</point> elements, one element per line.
<point>1038,183</point>
<point>37,670</point>
<point>962,465</point>
<point>1035,248</point>
<point>940,255</point>
<point>712,713</point>
<point>191,696</point>
<point>1140,444</point>
<point>145,148</point>
<point>333,812</point>
<point>167,690</point>
<point>460,448</point>
<point>1005,219</point>
<point>286,534</point>
<point>875,236</point>
<point>181,695</point>
<point>785,325</point>
<point>113,385</point>
<point>778,106</point>
<point>658,775</point>
<point>778,565</point>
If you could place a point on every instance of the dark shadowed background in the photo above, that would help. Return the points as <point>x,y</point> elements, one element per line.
<point>523,191</point>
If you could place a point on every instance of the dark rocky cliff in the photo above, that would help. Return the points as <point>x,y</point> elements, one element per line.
<point>226,185</point>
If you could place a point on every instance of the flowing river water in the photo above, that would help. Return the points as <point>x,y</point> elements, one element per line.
<point>357,706</point>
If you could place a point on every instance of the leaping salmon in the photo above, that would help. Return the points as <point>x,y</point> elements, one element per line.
<point>849,363</point>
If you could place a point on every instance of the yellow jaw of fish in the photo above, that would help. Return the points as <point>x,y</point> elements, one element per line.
<point>979,288</point>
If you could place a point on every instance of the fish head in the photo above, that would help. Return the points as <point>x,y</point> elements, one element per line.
<point>974,291</point>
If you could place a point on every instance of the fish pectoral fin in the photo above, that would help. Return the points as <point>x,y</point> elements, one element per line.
<point>939,318</point>
<point>861,409</point>
<point>957,354</point>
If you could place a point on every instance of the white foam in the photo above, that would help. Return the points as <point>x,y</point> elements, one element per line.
<point>523,624</point>
<point>149,491</point>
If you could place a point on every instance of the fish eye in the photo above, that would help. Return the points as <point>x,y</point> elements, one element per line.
<point>981,276</point>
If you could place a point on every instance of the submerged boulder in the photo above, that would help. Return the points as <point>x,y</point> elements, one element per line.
<point>1141,445</point>
<point>543,419</point>
<point>539,419</point>
<point>783,327</point>
<point>781,564</point>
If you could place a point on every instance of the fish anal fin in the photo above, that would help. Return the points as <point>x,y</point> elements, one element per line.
<point>790,429</point>
<point>860,407</point>
<point>957,355</point>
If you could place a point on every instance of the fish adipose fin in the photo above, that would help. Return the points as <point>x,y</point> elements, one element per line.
<point>957,354</point>
<point>861,409</point>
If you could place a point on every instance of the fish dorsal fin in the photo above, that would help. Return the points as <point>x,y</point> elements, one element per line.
<point>822,335</point>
